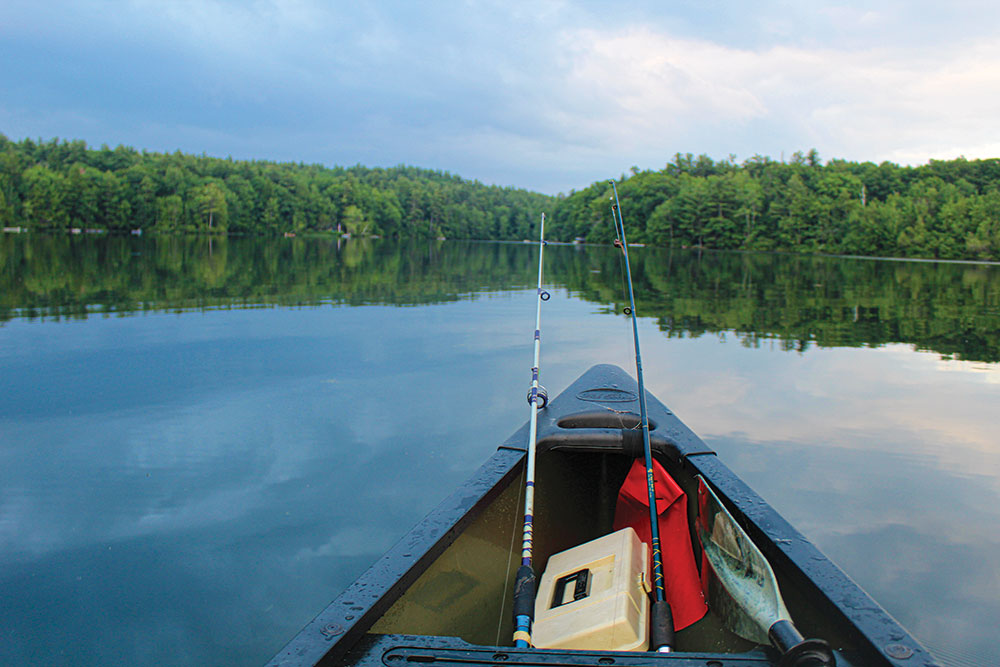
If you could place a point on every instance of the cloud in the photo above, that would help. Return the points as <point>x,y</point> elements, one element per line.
<point>638,85</point>
<point>646,93</point>
<point>551,99</point>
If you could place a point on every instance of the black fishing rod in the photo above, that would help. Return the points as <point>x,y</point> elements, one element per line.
<point>524,582</point>
<point>661,634</point>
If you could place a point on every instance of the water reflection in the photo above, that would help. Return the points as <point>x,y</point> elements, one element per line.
<point>887,458</point>
<point>192,481</point>
<point>952,309</point>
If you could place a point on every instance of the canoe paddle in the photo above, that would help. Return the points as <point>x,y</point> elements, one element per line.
<point>744,591</point>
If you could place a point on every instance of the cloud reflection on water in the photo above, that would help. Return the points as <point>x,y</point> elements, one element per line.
<point>887,458</point>
<point>285,448</point>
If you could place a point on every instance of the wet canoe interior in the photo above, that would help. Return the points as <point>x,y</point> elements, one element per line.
<point>466,591</point>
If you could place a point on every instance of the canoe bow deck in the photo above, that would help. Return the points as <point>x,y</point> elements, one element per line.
<point>440,594</point>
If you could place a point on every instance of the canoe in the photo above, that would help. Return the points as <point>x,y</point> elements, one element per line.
<point>440,595</point>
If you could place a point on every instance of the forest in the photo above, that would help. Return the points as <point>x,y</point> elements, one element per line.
<point>55,185</point>
<point>941,210</point>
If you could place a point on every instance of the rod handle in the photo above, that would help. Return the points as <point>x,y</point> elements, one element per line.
<point>661,629</point>
<point>524,592</point>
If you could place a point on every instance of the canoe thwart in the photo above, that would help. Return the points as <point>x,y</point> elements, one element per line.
<point>600,413</point>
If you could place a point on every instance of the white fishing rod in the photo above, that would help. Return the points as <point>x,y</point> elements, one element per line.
<point>524,582</point>
<point>661,634</point>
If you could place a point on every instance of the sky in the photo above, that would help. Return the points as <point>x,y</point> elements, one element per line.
<point>549,96</point>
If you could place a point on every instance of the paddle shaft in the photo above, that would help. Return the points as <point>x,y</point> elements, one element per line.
<point>524,583</point>
<point>662,629</point>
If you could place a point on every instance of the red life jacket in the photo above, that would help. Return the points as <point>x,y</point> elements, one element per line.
<point>682,587</point>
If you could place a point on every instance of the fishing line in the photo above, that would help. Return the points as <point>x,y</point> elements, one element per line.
<point>524,582</point>
<point>510,554</point>
<point>662,625</point>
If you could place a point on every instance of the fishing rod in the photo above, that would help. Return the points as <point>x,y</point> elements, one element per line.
<point>662,622</point>
<point>524,582</point>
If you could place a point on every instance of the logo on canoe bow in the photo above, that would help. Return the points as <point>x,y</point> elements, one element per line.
<point>607,395</point>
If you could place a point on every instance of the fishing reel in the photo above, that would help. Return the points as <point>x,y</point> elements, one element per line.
<point>543,397</point>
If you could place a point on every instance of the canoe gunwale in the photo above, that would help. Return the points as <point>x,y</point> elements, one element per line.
<point>606,396</point>
<point>335,629</point>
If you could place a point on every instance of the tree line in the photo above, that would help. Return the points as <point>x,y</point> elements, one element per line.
<point>56,185</point>
<point>944,209</point>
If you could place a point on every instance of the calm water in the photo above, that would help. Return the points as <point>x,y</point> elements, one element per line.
<point>203,442</point>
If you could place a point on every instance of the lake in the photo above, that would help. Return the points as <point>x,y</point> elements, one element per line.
<point>203,441</point>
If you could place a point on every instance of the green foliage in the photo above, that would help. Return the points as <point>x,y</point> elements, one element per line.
<point>211,205</point>
<point>946,210</point>
<point>45,192</point>
<point>59,184</point>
